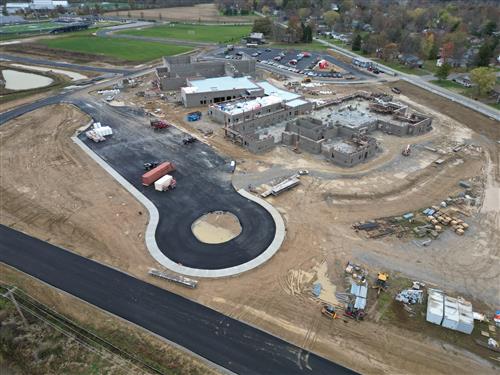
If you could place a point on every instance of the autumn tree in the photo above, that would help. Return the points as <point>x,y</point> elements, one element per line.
<point>484,78</point>
<point>331,17</point>
<point>263,25</point>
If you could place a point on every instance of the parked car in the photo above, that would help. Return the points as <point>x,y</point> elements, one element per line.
<point>396,90</point>
<point>277,58</point>
<point>293,62</point>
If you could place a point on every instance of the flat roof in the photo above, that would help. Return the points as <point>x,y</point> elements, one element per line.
<point>240,106</point>
<point>219,84</point>
<point>273,90</point>
<point>296,103</point>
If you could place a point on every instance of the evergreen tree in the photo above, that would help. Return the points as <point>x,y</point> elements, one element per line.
<point>356,43</point>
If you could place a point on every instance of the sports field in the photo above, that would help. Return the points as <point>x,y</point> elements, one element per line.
<point>29,27</point>
<point>124,49</point>
<point>199,33</point>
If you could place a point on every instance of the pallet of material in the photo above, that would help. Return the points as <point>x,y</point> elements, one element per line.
<point>175,278</point>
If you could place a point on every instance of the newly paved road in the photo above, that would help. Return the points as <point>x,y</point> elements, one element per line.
<point>224,341</point>
<point>203,185</point>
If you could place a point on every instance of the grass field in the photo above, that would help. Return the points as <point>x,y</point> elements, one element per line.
<point>199,33</point>
<point>29,28</point>
<point>129,50</point>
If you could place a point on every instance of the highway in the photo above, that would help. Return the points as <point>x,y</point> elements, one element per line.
<point>224,341</point>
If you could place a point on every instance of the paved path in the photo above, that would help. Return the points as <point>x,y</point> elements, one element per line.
<point>422,83</point>
<point>228,343</point>
<point>203,185</point>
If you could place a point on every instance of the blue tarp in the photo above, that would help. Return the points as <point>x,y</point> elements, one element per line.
<point>316,290</point>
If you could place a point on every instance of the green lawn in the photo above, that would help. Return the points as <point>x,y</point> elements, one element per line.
<point>449,85</point>
<point>402,68</point>
<point>315,45</point>
<point>199,33</point>
<point>124,49</point>
<point>29,27</point>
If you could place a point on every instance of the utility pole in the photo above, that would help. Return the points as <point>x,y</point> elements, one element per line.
<point>9,294</point>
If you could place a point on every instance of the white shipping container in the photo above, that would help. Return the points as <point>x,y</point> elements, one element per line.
<point>466,317</point>
<point>163,183</point>
<point>451,314</point>
<point>435,306</point>
<point>103,131</point>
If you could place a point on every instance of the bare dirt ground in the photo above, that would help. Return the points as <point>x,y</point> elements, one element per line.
<point>196,13</point>
<point>319,238</point>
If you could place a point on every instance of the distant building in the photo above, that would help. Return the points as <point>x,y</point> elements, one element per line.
<point>176,70</point>
<point>215,90</point>
<point>35,5</point>
<point>411,60</point>
<point>257,38</point>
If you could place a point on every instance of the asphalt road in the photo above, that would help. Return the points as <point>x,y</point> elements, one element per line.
<point>224,341</point>
<point>203,185</point>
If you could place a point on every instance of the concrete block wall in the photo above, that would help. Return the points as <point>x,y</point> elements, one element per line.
<point>310,145</point>
<point>288,138</point>
<point>256,145</point>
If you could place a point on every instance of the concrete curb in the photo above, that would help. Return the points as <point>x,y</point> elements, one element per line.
<point>154,216</point>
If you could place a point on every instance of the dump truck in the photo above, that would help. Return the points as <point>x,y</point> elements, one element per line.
<point>156,173</point>
<point>165,183</point>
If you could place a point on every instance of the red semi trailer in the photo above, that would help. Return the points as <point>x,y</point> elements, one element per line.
<point>154,174</point>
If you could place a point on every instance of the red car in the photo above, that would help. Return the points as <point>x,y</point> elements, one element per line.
<point>306,54</point>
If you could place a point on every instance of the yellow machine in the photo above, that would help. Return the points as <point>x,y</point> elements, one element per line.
<point>329,311</point>
<point>381,283</point>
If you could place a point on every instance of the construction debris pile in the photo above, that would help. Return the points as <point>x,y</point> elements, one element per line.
<point>429,223</point>
<point>411,296</point>
<point>97,132</point>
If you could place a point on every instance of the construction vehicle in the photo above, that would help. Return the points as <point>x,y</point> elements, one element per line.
<point>329,312</point>
<point>381,282</point>
<point>157,124</point>
<point>406,150</point>
<point>189,140</point>
<point>194,116</point>
<point>353,313</point>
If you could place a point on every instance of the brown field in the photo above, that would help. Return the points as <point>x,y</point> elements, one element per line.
<point>318,244</point>
<point>197,13</point>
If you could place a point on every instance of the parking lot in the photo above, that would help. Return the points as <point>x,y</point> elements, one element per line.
<point>295,61</point>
